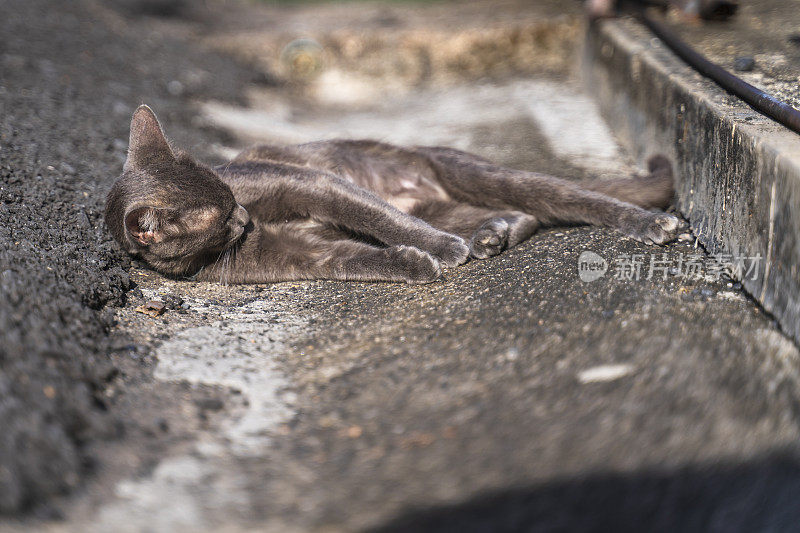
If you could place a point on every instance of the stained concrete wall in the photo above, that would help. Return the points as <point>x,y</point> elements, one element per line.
<point>738,172</point>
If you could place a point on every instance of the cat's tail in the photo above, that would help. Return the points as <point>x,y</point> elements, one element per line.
<point>655,190</point>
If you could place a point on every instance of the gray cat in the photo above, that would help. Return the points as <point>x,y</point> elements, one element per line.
<point>352,210</point>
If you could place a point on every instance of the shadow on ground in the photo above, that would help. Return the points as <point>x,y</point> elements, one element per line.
<point>751,496</point>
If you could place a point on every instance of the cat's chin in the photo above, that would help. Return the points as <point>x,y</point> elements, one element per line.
<point>233,242</point>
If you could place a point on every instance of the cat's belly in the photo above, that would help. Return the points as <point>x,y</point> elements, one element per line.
<point>308,226</point>
<point>406,193</point>
<point>401,176</point>
<point>404,204</point>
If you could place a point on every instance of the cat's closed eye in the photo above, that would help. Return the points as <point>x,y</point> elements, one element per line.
<point>203,218</point>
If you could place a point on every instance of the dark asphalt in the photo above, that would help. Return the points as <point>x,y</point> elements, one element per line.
<point>69,80</point>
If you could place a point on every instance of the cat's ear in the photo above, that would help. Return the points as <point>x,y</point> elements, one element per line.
<point>145,225</point>
<point>147,141</point>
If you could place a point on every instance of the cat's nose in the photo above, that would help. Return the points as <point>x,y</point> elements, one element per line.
<point>242,215</point>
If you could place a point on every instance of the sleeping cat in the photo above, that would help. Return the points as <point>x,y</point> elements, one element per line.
<point>352,210</point>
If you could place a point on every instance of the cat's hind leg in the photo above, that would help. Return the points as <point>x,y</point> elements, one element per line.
<point>488,231</point>
<point>552,200</point>
<point>653,190</point>
<point>501,232</point>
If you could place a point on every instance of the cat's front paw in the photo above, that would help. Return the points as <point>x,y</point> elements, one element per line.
<point>415,265</point>
<point>653,228</point>
<point>450,250</point>
<point>490,239</point>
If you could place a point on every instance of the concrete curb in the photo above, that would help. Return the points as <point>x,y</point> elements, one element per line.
<point>738,172</point>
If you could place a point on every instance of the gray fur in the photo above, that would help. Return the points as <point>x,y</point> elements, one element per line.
<point>352,210</point>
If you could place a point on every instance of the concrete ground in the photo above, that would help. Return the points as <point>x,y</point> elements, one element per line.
<point>514,395</point>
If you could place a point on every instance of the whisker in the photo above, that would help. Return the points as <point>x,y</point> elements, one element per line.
<point>227,266</point>
<point>223,275</point>
<point>216,261</point>
<point>232,260</point>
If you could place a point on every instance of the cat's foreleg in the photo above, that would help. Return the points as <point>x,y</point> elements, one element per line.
<point>394,263</point>
<point>341,202</point>
<point>281,254</point>
<point>330,199</point>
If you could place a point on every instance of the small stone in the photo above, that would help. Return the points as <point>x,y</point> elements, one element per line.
<point>744,64</point>
<point>172,302</point>
<point>685,237</point>
<point>354,432</point>
<point>708,293</point>
<point>82,220</point>
<point>607,314</point>
<point>604,373</point>
<point>737,286</point>
<point>152,308</point>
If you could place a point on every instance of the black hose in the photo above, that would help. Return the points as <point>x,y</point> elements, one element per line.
<point>756,98</point>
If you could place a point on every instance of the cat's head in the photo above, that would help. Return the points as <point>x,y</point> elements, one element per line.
<point>172,211</point>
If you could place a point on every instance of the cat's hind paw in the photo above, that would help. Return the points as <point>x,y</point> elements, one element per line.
<point>655,228</point>
<point>490,239</point>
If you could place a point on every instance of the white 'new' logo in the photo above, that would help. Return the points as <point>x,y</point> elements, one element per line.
<point>591,266</point>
